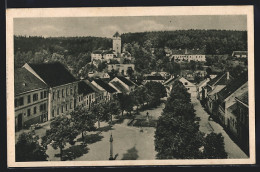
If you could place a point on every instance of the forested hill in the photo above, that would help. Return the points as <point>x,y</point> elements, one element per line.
<point>214,41</point>
<point>75,52</point>
<point>71,45</point>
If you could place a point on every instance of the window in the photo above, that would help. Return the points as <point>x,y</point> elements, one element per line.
<point>58,112</point>
<point>35,97</point>
<point>53,95</point>
<point>75,89</point>
<point>61,109</point>
<point>45,94</point>
<point>42,95</point>
<point>28,112</point>
<point>35,110</point>
<point>70,91</point>
<point>79,99</point>
<point>67,91</point>
<point>70,105</point>
<point>52,113</point>
<point>21,101</point>
<point>66,107</point>
<point>87,102</point>
<point>186,83</point>
<point>58,94</point>
<point>62,92</point>
<point>43,107</point>
<point>29,99</point>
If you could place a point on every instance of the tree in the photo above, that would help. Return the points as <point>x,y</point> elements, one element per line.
<point>125,102</point>
<point>83,120</point>
<point>111,109</point>
<point>155,91</point>
<point>177,134</point>
<point>98,111</point>
<point>214,147</point>
<point>130,72</point>
<point>28,148</point>
<point>60,133</point>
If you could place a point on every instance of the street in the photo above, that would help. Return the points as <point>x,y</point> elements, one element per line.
<point>207,126</point>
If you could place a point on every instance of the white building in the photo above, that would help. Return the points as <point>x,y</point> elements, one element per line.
<point>190,86</point>
<point>188,55</point>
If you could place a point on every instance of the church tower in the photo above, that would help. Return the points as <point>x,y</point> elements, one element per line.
<point>117,44</point>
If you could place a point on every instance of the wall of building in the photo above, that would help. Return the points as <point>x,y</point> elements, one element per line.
<point>120,67</point>
<point>63,104</point>
<point>117,45</point>
<point>33,111</point>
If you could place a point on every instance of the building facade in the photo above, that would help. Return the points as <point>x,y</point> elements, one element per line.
<point>117,43</point>
<point>63,87</point>
<point>31,99</point>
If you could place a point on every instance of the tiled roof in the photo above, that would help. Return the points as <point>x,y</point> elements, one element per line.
<point>126,81</point>
<point>54,74</point>
<point>170,80</point>
<point>233,86</point>
<point>188,52</point>
<point>153,77</point>
<point>243,98</point>
<point>119,86</point>
<point>220,80</point>
<point>84,88</point>
<point>105,85</point>
<point>25,81</point>
<point>93,87</point>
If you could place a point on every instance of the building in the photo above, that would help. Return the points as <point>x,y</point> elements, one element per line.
<point>226,98</point>
<point>103,55</point>
<point>63,87</point>
<point>121,68</point>
<point>185,55</point>
<point>86,95</point>
<point>222,79</point>
<point>190,86</point>
<point>200,87</point>
<point>239,54</point>
<point>117,43</point>
<point>168,84</point>
<point>99,93</point>
<point>154,78</point>
<point>242,117</point>
<point>108,91</point>
<point>31,99</point>
<point>122,84</point>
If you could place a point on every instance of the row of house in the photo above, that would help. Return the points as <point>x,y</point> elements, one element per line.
<point>44,91</point>
<point>226,99</point>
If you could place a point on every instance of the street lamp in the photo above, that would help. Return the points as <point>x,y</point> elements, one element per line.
<point>111,147</point>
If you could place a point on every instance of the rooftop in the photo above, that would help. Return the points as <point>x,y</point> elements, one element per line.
<point>105,85</point>
<point>126,81</point>
<point>233,86</point>
<point>84,88</point>
<point>119,86</point>
<point>25,81</point>
<point>154,77</point>
<point>195,51</point>
<point>54,74</point>
<point>243,98</point>
<point>220,80</point>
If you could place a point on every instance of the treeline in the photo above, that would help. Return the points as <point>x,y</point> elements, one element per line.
<point>214,41</point>
<point>177,134</point>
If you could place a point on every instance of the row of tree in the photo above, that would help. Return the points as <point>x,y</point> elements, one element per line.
<point>177,133</point>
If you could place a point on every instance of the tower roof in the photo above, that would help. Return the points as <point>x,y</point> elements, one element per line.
<point>116,34</point>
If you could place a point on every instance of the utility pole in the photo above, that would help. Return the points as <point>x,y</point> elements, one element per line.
<point>111,147</point>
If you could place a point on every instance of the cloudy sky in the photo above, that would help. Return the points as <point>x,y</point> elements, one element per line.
<point>107,26</point>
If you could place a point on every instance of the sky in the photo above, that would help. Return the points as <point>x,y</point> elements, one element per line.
<point>107,26</point>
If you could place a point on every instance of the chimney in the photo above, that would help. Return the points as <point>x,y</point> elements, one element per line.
<point>227,75</point>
